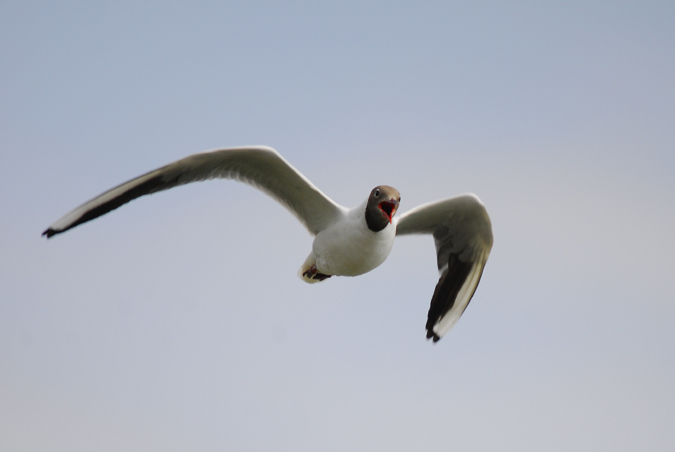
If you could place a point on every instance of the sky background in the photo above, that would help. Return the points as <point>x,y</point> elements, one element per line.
<point>178,323</point>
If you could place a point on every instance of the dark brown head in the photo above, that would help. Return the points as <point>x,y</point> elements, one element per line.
<point>382,204</point>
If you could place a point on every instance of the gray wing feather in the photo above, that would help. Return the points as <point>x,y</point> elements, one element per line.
<point>259,166</point>
<point>462,233</point>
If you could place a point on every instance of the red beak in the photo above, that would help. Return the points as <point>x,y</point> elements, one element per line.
<point>389,208</point>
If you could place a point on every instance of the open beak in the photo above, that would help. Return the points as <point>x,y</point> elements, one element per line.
<point>389,208</point>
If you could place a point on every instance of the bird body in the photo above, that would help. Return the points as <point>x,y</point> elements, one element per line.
<point>348,242</point>
<point>349,248</point>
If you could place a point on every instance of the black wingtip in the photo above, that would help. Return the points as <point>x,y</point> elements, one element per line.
<point>432,335</point>
<point>49,232</point>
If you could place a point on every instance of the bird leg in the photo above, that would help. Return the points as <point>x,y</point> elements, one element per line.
<point>313,273</point>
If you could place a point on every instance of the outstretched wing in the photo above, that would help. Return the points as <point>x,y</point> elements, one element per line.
<point>463,235</point>
<point>259,166</point>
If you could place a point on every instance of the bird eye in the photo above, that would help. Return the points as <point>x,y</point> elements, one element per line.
<point>377,192</point>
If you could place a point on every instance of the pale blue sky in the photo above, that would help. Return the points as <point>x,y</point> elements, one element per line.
<point>178,322</point>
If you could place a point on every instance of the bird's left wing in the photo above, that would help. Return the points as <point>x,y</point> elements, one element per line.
<point>260,166</point>
<point>463,235</point>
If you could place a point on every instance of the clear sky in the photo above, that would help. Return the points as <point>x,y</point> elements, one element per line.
<point>178,323</point>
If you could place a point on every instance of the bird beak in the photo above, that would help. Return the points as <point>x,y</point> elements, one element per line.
<point>389,208</point>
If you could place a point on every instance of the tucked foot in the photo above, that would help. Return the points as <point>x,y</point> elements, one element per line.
<point>313,273</point>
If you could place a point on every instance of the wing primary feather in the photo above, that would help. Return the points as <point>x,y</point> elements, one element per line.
<point>445,294</point>
<point>149,186</point>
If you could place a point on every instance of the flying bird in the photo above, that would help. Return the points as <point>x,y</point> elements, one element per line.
<point>347,242</point>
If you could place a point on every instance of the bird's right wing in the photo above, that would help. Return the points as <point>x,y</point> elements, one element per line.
<point>462,233</point>
<point>259,166</point>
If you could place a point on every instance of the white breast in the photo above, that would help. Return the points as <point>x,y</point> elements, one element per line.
<point>349,248</point>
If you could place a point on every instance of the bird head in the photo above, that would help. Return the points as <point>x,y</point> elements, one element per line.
<point>381,207</point>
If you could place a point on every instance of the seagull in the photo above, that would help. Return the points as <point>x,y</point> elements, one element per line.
<point>347,242</point>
